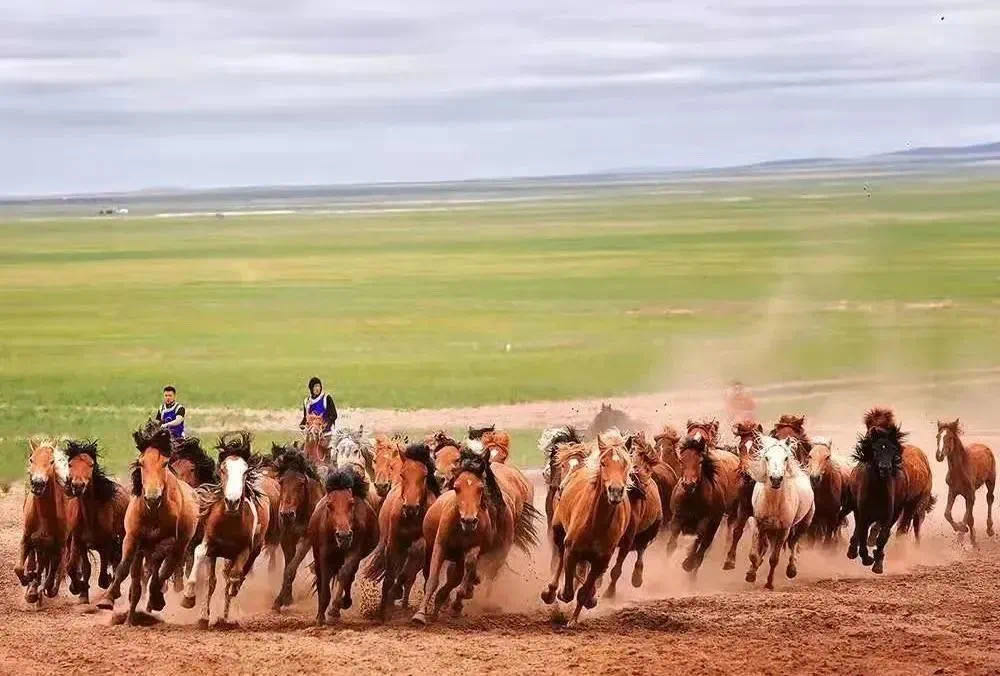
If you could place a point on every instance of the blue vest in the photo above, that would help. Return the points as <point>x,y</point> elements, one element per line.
<point>316,405</point>
<point>169,415</point>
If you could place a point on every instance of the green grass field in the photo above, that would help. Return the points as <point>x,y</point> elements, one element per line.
<point>595,297</point>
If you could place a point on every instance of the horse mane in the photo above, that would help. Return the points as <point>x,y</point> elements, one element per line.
<point>237,443</point>
<point>210,493</point>
<point>151,435</point>
<point>478,432</point>
<point>669,433</point>
<point>879,417</point>
<point>475,459</point>
<point>565,452</point>
<point>864,449</point>
<point>500,440</point>
<point>439,440</point>
<point>104,486</point>
<point>612,438</point>
<point>553,436</point>
<point>189,448</point>
<point>709,465</point>
<point>421,452</point>
<point>291,459</point>
<point>954,425</point>
<point>757,469</point>
<point>347,479</point>
<point>747,427</point>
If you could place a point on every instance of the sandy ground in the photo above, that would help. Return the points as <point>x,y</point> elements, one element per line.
<point>936,611</point>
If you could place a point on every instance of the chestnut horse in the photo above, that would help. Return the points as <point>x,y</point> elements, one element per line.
<point>343,530</point>
<point>95,518</point>
<point>388,462</point>
<point>666,443</point>
<point>40,560</point>
<point>475,523</point>
<point>445,451</point>
<point>497,442</point>
<point>548,443</point>
<point>892,482</point>
<point>831,481</point>
<point>663,475</point>
<point>748,434</point>
<point>793,426</point>
<point>316,441</point>
<point>706,430</point>
<point>299,493</point>
<point>591,518</point>
<point>401,548</point>
<point>969,467</point>
<point>236,516</point>
<point>645,514</point>
<point>160,521</point>
<point>706,492</point>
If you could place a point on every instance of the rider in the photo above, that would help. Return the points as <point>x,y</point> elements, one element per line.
<point>319,403</point>
<point>171,413</point>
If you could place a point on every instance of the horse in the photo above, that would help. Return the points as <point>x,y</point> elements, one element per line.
<point>748,434</point>
<point>646,509</point>
<point>707,429</point>
<point>342,531</point>
<point>609,418</point>
<point>782,506</point>
<point>95,518</point>
<point>666,443</point>
<point>474,524</point>
<point>591,518</point>
<point>40,559</point>
<point>445,452</point>
<point>706,492</point>
<point>400,550</point>
<point>549,443</point>
<point>300,491</point>
<point>831,481</point>
<point>891,482</point>
<point>350,450</point>
<point>236,517</point>
<point>160,521</point>
<point>316,439</point>
<point>388,462</point>
<point>793,426</point>
<point>191,463</point>
<point>969,468</point>
<point>497,442</point>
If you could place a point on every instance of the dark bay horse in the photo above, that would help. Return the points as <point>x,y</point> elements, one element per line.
<point>831,482</point>
<point>590,520</point>
<point>400,552</point>
<point>160,521</point>
<point>969,468</point>
<point>748,434</point>
<point>40,559</point>
<point>191,463</point>
<point>299,493</point>
<point>609,418</point>
<point>95,518</point>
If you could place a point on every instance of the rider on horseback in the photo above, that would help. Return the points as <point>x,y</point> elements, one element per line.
<point>319,403</point>
<point>171,413</point>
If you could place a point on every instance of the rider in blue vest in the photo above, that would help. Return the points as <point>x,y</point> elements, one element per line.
<point>319,403</point>
<point>171,413</point>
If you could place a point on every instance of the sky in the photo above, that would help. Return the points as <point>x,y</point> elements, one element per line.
<point>115,95</point>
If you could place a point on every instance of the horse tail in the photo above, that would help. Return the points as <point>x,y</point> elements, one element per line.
<point>525,528</point>
<point>927,504</point>
<point>375,571</point>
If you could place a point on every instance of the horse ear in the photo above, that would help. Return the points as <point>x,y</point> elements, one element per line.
<point>956,423</point>
<point>31,446</point>
<point>760,429</point>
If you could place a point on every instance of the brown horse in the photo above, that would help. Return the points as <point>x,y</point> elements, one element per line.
<point>646,513</point>
<point>549,443</point>
<point>609,418</point>
<point>400,552</point>
<point>831,491</point>
<point>300,491</point>
<point>445,452</point>
<point>160,521</point>
<point>748,434</point>
<point>191,463</point>
<point>316,440</point>
<point>793,426</point>
<point>969,467</point>
<point>706,430</point>
<point>666,443</point>
<point>590,520</point>
<point>706,492</point>
<point>388,462</point>
<point>95,518</point>
<point>343,530</point>
<point>475,523</point>
<point>40,560</point>
<point>236,516</point>
<point>497,442</point>
<point>892,483</point>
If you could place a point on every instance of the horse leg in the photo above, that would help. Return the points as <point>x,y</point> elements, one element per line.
<point>587,595</point>
<point>990,484</point>
<point>85,571</point>
<point>154,593</point>
<point>860,540</point>
<point>556,567</point>
<point>624,547</point>
<point>53,577</point>
<point>883,537</point>
<point>206,610</point>
<point>777,540</point>
<point>569,574</point>
<point>742,516</point>
<point>702,543</point>
<point>115,590</point>
<point>970,520</point>
<point>412,566</point>
<point>284,597</point>
<point>236,572</point>
<point>135,591</point>
<point>389,581</point>
<point>33,575</point>
<point>190,585</point>
<point>640,551</point>
<point>22,558</point>
<point>952,494</point>
<point>793,550</point>
<point>758,549</point>
<point>675,531</point>
<point>431,584</point>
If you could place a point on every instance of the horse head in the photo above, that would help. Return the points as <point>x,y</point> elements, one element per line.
<point>881,449</point>
<point>819,456</point>
<point>747,432</point>
<point>777,461</point>
<point>46,463</point>
<point>344,486</point>
<point>666,443</point>
<point>388,462</point>
<point>416,479</point>
<point>706,430</point>
<point>947,438</point>
<point>295,471</point>
<point>472,485</point>
<point>613,465</point>
<point>149,471</point>
<point>82,461</point>
<point>696,464</point>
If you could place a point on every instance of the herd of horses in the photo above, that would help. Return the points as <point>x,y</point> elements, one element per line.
<point>452,511</point>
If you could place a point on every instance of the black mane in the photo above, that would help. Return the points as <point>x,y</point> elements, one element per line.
<point>478,432</point>
<point>864,450</point>
<point>440,440</point>
<point>478,464</point>
<point>709,467</point>
<point>103,486</point>
<point>347,479</point>
<point>189,448</point>
<point>291,459</point>
<point>422,453</point>
<point>236,443</point>
<point>151,435</point>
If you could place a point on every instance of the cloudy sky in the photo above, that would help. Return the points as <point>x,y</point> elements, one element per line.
<point>117,94</point>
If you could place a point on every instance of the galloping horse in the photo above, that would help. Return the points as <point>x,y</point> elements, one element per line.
<point>316,440</point>
<point>969,467</point>
<point>666,443</point>
<point>236,515</point>
<point>706,492</point>
<point>300,491</point>
<point>44,535</point>
<point>549,443</point>
<point>609,418</point>
<point>400,552</point>
<point>475,523</point>
<point>892,482</point>
<point>388,462</point>
<point>748,434</point>
<point>590,520</point>
<point>831,480</point>
<point>793,426</point>
<point>706,430</point>
<point>343,530</point>
<point>191,463</point>
<point>160,521</point>
<point>497,442</point>
<point>445,452</point>
<point>95,518</point>
<point>646,513</point>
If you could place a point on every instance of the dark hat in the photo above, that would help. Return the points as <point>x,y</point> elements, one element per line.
<point>313,382</point>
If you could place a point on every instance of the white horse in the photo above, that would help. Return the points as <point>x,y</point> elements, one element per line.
<point>783,505</point>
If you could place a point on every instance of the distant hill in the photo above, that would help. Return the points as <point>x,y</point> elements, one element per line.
<point>938,151</point>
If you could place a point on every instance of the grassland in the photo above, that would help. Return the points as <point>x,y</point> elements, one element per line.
<point>412,309</point>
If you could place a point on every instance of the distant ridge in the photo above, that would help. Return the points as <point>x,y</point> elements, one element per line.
<point>931,151</point>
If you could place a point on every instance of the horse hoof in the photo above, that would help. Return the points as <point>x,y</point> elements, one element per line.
<point>688,565</point>
<point>203,623</point>
<point>156,601</point>
<point>84,599</point>
<point>728,565</point>
<point>549,596</point>
<point>456,610</point>
<point>74,587</point>
<point>103,580</point>
<point>419,618</point>
<point>877,568</point>
<point>769,586</point>
<point>751,576</point>
<point>187,601</point>
<point>961,528</point>
<point>51,592</point>
<point>333,616</point>
<point>347,602</point>
<point>852,554</point>
<point>566,597</point>
<point>636,579</point>
<point>132,619</point>
<point>31,597</point>
<point>105,604</point>
<point>320,620</point>
<point>989,532</point>
<point>590,603</point>
<point>791,572</point>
